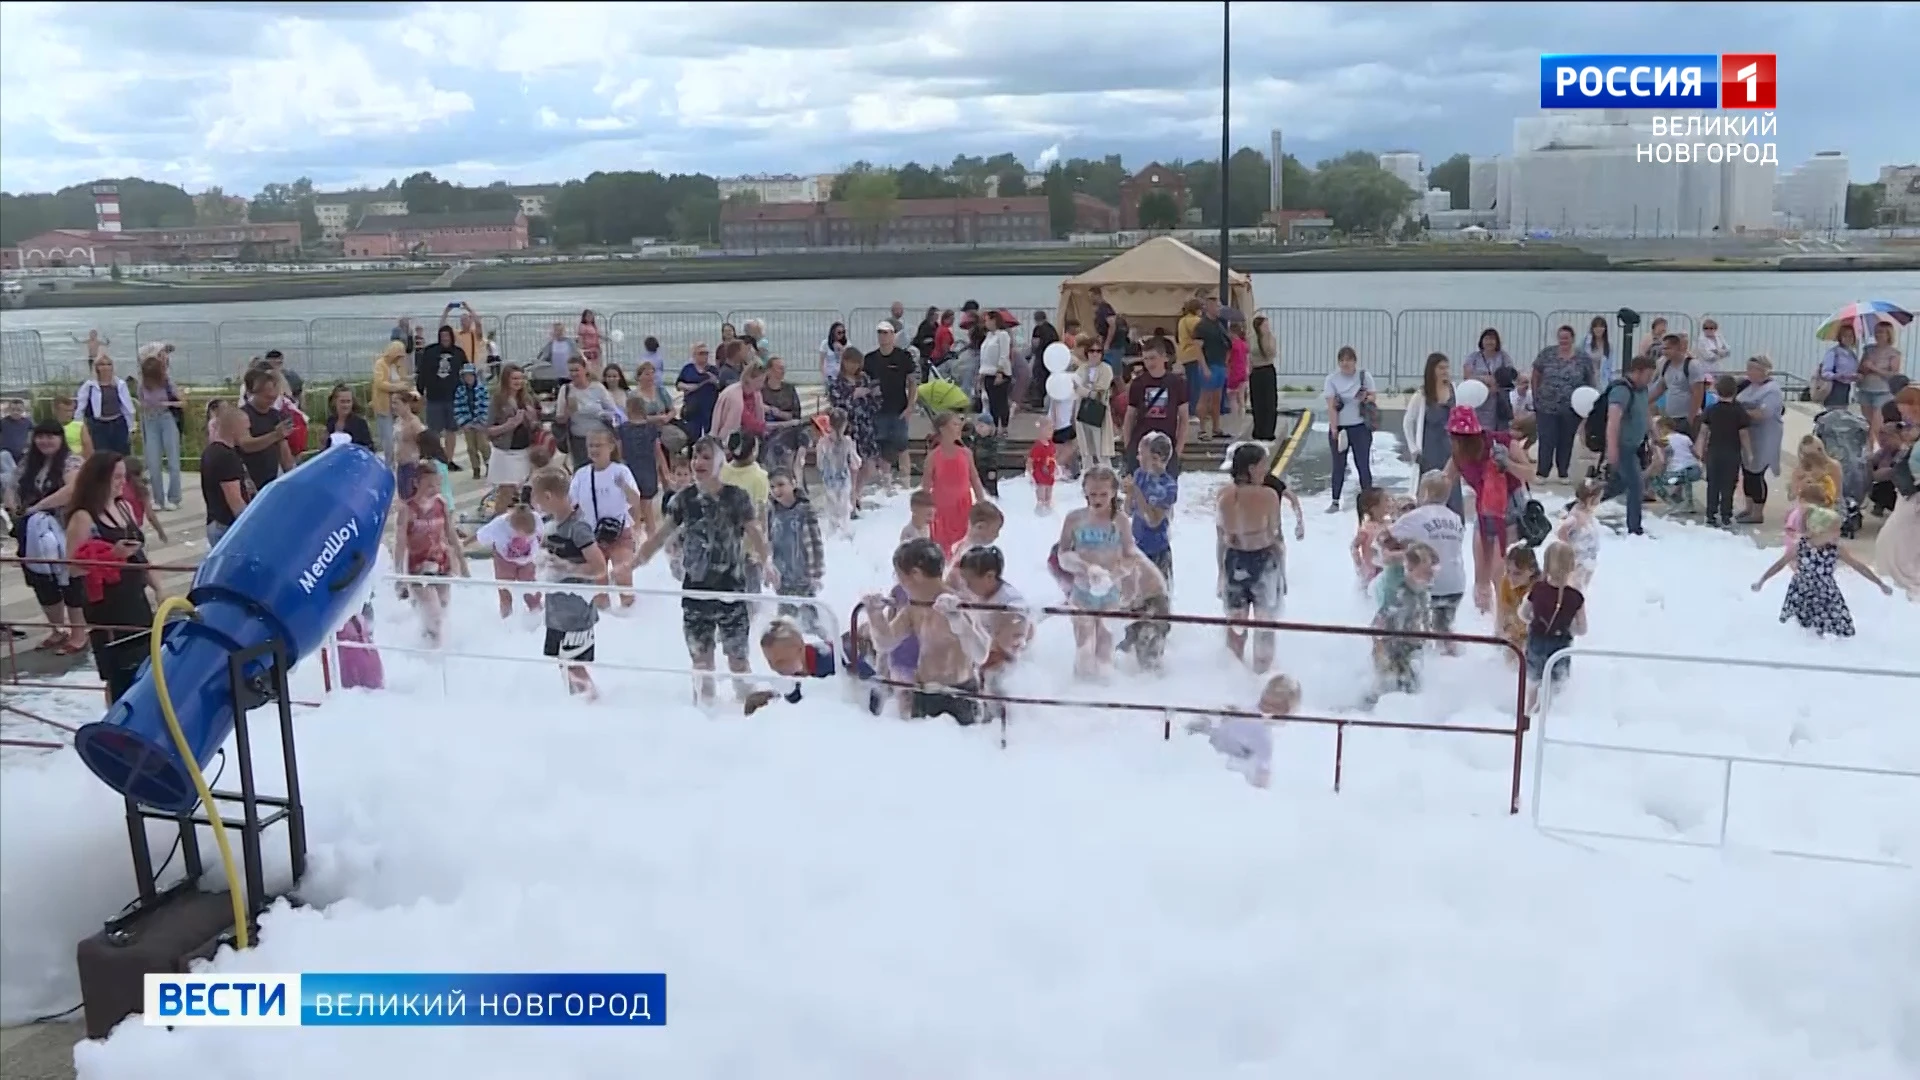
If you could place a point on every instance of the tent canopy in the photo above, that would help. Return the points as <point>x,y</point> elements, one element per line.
<point>1148,284</point>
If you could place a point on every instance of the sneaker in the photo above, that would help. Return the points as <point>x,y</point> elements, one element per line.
<point>454,466</point>
<point>1333,507</point>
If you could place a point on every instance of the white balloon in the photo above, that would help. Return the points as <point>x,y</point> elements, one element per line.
<point>1058,357</point>
<point>1471,393</point>
<point>1060,386</point>
<point>618,336</point>
<point>1583,399</point>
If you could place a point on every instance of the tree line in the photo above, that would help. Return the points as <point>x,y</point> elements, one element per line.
<point>611,209</point>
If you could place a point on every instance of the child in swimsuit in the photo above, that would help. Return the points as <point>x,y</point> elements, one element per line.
<point>1093,540</point>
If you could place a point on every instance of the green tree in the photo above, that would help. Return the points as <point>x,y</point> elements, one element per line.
<point>1362,198</point>
<point>1061,213</point>
<point>695,218</point>
<point>214,207</point>
<point>1158,211</point>
<point>1297,185</point>
<point>744,198</point>
<point>870,198</point>
<point>1863,204</point>
<point>1452,176</point>
<point>1364,158</point>
<point>843,181</point>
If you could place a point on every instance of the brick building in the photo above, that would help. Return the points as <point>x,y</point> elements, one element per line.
<point>1155,177</point>
<point>192,244</point>
<point>479,232</point>
<point>910,223</point>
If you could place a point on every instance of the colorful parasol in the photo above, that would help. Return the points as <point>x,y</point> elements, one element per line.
<point>1862,315</point>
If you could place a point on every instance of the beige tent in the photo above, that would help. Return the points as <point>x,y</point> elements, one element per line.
<point>1148,284</point>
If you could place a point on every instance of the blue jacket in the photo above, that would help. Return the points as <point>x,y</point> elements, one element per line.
<point>470,401</point>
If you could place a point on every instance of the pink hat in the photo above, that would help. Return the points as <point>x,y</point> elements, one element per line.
<point>1463,421</point>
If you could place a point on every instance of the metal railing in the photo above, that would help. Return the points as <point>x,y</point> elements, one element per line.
<point>1393,347</point>
<point>1729,763</point>
<point>1166,712</point>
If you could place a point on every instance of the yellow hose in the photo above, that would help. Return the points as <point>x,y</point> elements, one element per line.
<point>235,886</point>
<point>1292,446</point>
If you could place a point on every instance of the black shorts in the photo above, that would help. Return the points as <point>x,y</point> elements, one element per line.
<point>439,416</point>
<point>118,661</point>
<point>47,590</point>
<point>575,645</point>
<point>1063,436</point>
<point>1443,609</point>
<point>890,433</point>
<point>1253,581</point>
<point>710,622</point>
<point>928,703</point>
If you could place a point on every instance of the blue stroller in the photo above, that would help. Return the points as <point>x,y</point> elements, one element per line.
<point>1844,436</point>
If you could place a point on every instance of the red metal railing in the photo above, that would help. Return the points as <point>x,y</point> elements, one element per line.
<point>1517,732</point>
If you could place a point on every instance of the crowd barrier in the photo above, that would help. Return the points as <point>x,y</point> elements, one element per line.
<point>1340,724</point>
<point>1392,346</point>
<point>1729,763</point>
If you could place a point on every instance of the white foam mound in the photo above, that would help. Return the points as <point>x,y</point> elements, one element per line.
<point>837,896</point>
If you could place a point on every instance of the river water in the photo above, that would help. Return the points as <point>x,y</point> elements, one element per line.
<point>1450,307</point>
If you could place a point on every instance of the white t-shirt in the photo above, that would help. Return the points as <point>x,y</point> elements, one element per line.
<point>602,486</point>
<point>506,544</point>
<point>1680,453</point>
<point>1060,412</point>
<point>1442,530</point>
<point>996,353</point>
<point>1348,389</point>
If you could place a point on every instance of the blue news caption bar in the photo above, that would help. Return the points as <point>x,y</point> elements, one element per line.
<point>1629,81</point>
<point>540,999</point>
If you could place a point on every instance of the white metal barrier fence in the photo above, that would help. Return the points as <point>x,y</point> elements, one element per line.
<point>1543,738</point>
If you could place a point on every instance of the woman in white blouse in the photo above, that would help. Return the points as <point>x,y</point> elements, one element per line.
<point>105,409</point>
<point>996,370</point>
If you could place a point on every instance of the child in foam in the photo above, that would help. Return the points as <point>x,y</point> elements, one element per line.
<point>1248,744</point>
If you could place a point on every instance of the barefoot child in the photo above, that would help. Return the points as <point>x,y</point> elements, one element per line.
<point>1403,606</point>
<point>952,644</point>
<point>981,568</point>
<point>1375,509</point>
<point>1248,744</point>
<point>839,463</point>
<point>511,538</point>
<point>606,492</point>
<point>1252,577</point>
<point>1092,543</point>
<point>645,456</point>
<point>1555,613</point>
<point>984,522</point>
<point>568,555</point>
<point>1043,468</point>
<point>1433,524</point>
<point>1581,532</point>
<point>794,654</point>
<point>1151,494</point>
<point>952,481</point>
<point>793,531</point>
<point>1520,572</point>
<point>1814,599</point>
<point>1143,593</point>
<point>920,511</point>
<point>423,521</point>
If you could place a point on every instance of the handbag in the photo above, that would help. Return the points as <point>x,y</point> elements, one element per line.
<point>1369,409</point>
<point>1092,412</point>
<point>606,530</point>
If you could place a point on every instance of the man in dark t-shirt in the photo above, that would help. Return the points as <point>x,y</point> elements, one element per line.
<point>264,449</point>
<point>1156,401</point>
<point>223,475</point>
<point>436,372</point>
<point>893,369</point>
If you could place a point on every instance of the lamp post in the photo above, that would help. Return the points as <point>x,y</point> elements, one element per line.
<point>1226,151</point>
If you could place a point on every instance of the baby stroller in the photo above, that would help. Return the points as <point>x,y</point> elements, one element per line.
<point>1844,435</point>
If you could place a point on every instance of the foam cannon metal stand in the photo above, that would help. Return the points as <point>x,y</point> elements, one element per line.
<point>165,931</point>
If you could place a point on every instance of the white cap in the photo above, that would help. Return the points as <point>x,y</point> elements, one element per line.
<point>884,327</point>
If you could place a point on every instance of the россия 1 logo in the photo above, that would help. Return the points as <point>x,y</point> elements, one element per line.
<point>1665,81</point>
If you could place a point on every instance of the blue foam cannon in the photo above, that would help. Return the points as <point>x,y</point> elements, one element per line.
<point>287,570</point>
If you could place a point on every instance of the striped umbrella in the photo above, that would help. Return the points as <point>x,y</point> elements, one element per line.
<point>1862,315</point>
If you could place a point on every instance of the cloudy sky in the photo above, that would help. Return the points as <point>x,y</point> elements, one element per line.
<point>240,94</point>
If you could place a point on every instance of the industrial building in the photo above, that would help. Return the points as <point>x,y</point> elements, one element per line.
<point>1813,197</point>
<point>1581,174</point>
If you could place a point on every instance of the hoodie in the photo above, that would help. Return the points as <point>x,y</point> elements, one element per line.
<point>470,401</point>
<point>793,532</point>
<point>389,377</point>
<point>436,370</point>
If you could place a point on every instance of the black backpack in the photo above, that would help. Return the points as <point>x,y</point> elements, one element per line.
<point>1595,431</point>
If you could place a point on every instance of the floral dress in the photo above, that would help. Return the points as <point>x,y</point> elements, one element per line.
<point>860,410</point>
<point>1813,596</point>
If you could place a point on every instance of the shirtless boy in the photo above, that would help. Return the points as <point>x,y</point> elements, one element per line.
<point>952,643</point>
<point>1247,527</point>
<point>1143,592</point>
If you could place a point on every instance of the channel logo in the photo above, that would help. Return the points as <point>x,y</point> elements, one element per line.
<point>239,1000</point>
<point>1664,81</point>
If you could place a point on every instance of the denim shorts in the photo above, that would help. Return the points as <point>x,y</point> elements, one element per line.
<point>890,433</point>
<point>1540,649</point>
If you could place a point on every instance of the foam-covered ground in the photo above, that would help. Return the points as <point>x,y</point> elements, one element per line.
<point>838,896</point>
